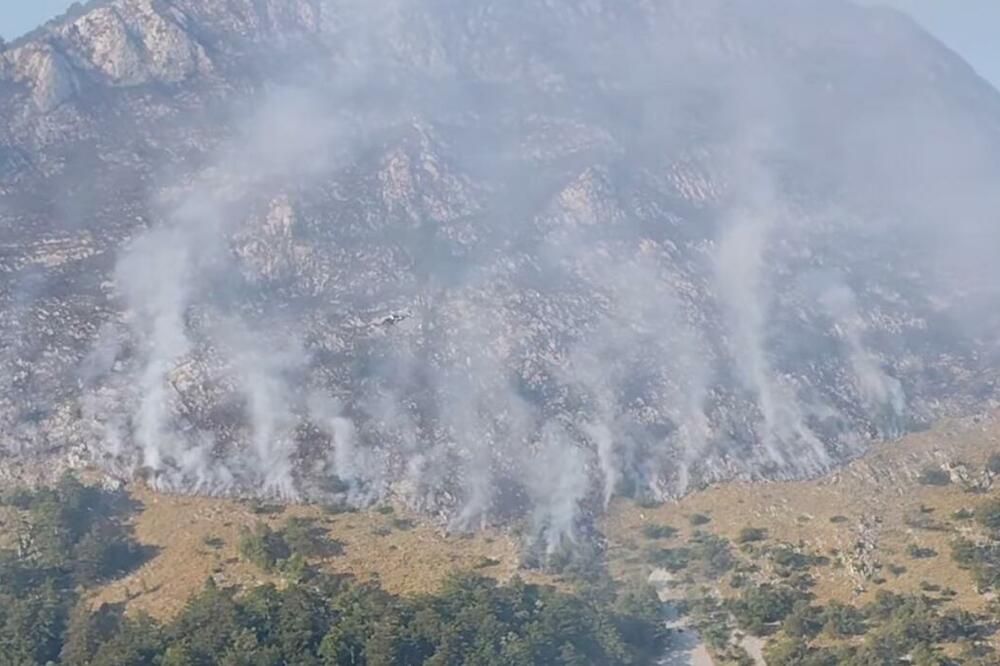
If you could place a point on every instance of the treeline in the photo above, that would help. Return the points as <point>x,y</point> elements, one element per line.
<point>473,620</point>
<point>73,537</point>
<point>66,538</point>
<point>74,531</point>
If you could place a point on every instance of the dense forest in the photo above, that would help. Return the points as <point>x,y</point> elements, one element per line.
<point>72,537</point>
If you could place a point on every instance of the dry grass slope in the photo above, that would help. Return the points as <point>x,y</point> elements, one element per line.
<point>865,517</point>
<point>197,539</point>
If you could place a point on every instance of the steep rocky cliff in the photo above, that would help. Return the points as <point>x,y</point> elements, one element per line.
<point>488,256</point>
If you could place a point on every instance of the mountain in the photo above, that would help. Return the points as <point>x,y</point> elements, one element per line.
<point>491,258</point>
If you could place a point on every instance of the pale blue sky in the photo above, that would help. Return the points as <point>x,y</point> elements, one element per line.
<point>20,16</point>
<point>970,27</point>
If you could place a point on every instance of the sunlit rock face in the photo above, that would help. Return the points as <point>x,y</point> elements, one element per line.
<point>494,258</point>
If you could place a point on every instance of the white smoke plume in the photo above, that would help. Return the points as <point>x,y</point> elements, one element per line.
<point>264,374</point>
<point>346,459</point>
<point>511,268</point>
<point>883,393</point>
<point>559,484</point>
<point>740,267</point>
<point>184,268</point>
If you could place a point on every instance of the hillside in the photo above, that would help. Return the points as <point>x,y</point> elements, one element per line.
<point>889,522</point>
<point>74,540</point>
<point>436,251</point>
<point>197,539</point>
<point>455,331</point>
<point>886,528</point>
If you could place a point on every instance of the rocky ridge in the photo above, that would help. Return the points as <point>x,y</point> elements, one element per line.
<point>314,248</point>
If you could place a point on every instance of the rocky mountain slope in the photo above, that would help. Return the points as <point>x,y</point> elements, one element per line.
<point>489,257</point>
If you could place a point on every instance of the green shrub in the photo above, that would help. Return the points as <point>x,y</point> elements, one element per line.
<point>713,555</point>
<point>262,546</point>
<point>671,559</point>
<point>652,531</point>
<point>403,524</point>
<point>760,606</point>
<point>304,537</point>
<point>933,476</point>
<point>712,621</point>
<point>988,516</point>
<point>805,621</point>
<point>919,552</point>
<point>841,620</point>
<point>789,560</point>
<point>751,535</point>
<point>213,542</point>
<point>788,652</point>
<point>982,560</point>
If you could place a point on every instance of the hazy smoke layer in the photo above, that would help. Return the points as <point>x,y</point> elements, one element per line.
<point>515,258</point>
